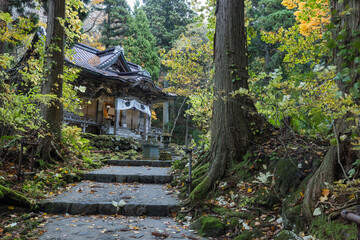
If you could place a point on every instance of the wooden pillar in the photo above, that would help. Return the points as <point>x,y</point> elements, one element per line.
<point>117,115</point>
<point>99,111</point>
<point>145,127</point>
<point>123,118</point>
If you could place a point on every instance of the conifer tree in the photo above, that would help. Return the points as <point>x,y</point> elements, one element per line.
<point>140,46</point>
<point>168,19</point>
<point>115,25</point>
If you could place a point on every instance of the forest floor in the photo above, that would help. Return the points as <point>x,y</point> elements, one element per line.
<point>250,201</point>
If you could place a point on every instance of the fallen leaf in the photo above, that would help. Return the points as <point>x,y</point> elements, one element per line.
<point>325,192</point>
<point>249,190</point>
<point>323,198</point>
<point>11,207</point>
<point>159,234</point>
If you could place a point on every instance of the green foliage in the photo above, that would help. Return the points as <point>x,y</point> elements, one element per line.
<point>71,138</point>
<point>140,45</point>
<point>322,228</point>
<point>267,15</point>
<point>168,19</point>
<point>115,24</point>
<point>190,73</point>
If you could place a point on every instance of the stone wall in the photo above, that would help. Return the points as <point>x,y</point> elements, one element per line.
<point>112,143</point>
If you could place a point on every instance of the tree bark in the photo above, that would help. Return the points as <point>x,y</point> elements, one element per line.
<point>330,169</point>
<point>55,41</point>
<point>4,7</point>
<point>232,115</point>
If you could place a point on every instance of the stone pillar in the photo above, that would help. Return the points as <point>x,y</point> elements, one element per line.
<point>117,115</point>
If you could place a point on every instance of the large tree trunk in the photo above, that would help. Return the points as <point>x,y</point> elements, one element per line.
<point>232,115</point>
<point>4,7</point>
<point>330,169</point>
<point>55,39</point>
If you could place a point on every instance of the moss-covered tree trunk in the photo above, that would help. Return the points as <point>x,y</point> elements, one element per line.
<point>346,18</point>
<point>232,114</point>
<point>55,41</point>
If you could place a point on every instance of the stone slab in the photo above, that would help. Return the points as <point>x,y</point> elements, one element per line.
<point>150,163</point>
<point>130,175</point>
<point>90,197</point>
<point>109,227</point>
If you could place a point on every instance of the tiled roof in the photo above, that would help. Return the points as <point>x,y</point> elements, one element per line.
<point>109,64</point>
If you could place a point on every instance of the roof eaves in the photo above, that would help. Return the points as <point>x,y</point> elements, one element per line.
<point>87,48</point>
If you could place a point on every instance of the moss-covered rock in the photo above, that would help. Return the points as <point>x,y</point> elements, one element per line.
<point>287,235</point>
<point>266,198</point>
<point>232,223</point>
<point>10,196</point>
<point>332,230</point>
<point>286,176</point>
<point>292,214</point>
<point>293,217</point>
<point>209,226</point>
<point>252,234</point>
<point>163,155</point>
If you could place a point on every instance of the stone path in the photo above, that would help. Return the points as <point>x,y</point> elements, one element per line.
<point>146,214</point>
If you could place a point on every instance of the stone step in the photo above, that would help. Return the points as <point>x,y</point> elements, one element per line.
<point>112,228</point>
<point>151,163</point>
<point>130,175</point>
<point>96,198</point>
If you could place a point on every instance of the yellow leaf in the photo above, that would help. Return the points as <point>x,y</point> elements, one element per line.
<point>11,207</point>
<point>323,199</point>
<point>249,190</point>
<point>301,194</point>
<point>325,192</point>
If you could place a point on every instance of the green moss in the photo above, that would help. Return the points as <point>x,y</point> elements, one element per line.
<point>324,229</point>
<point>200,171</point>
<point>232,223</point>
<point>266,198</point>
<point>246,235</point>
<point>209,226</point>
<point>287,235</point>
<point>293,217</point>
<point>163,155</point>
<point>199,192</point>
<point>14,197</point>
<point>285,176</point>
<point>227,213</point>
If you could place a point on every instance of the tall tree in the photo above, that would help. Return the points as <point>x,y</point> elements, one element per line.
<point>115,25</point>
<point>346,22</point>
<point>267,15</point>
<point>232,114</point>
<point>55,41</point>
<point>140,46</point>
<point>168,19</point>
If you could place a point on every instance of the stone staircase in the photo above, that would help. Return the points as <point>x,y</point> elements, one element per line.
<point>141,187</point>
<point>86,210</point>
